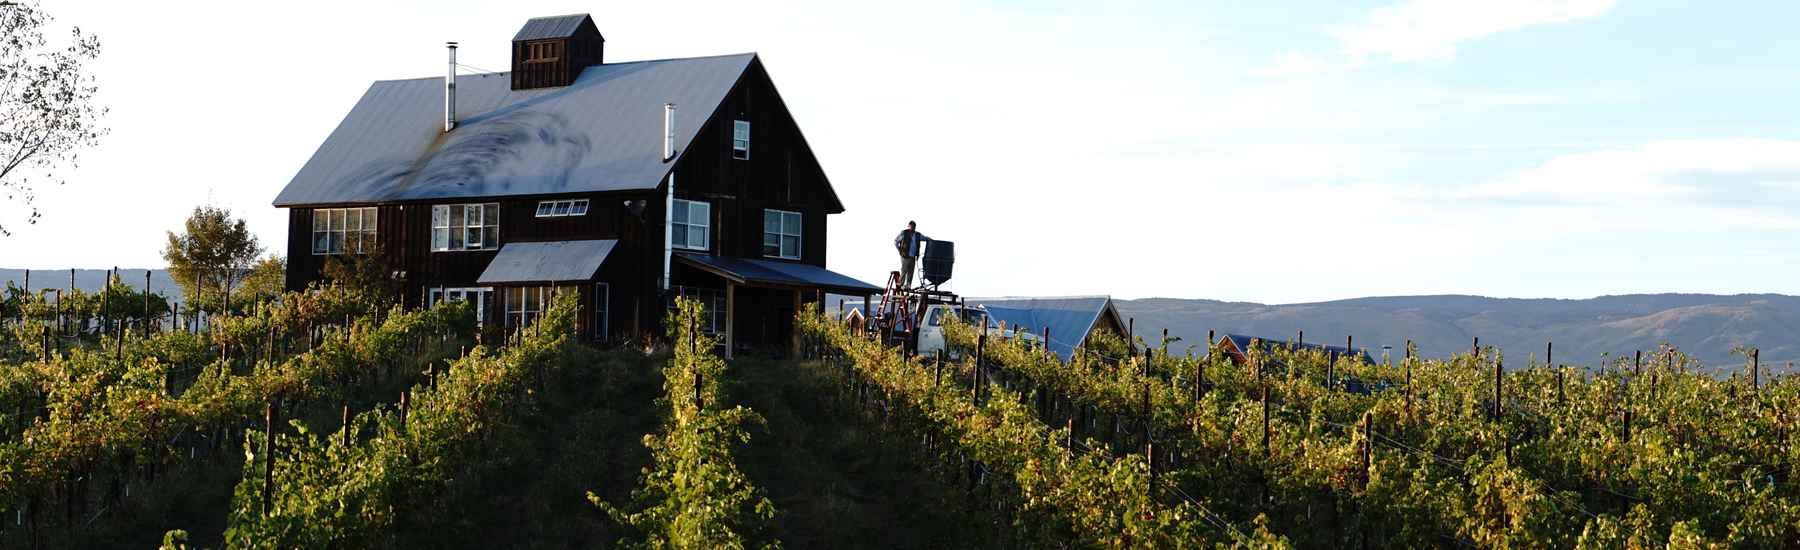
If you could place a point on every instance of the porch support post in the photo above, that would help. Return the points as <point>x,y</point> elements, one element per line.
<point>730,316</point>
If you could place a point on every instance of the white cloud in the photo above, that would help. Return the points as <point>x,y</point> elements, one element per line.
<point>1421,30</point>
<point>1429,30</point>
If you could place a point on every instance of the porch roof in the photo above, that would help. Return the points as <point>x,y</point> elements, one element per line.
<point>773,273</point>
<point>545,262</point>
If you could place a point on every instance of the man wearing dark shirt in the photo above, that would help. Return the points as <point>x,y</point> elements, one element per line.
<point>909,244</point>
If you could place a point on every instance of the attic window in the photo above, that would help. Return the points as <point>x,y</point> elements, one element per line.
<point>543,52</point>
<point>564,208</point>
<point>740,139</point>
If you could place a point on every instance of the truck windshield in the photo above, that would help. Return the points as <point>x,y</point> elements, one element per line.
<point>972,316</point>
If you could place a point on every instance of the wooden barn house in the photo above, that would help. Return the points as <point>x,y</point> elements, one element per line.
<point>626,182</point>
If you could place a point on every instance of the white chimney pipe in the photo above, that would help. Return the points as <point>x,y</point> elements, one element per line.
<point>450,91</point>
<point>669,200</point>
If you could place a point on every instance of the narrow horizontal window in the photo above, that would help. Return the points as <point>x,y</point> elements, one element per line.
<point>562,208</point>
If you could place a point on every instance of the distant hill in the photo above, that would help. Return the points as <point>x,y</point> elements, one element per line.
<point>1705,326</point>
<point>91,279</point>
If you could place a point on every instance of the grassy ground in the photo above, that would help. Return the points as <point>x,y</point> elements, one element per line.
<point>836,480</point>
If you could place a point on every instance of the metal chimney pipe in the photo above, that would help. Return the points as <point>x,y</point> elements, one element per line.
<point>668,132</point>
<point>669,200</point>
<point>450,90</point>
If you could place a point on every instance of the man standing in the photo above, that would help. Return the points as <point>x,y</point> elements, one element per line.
<point>908,244</point>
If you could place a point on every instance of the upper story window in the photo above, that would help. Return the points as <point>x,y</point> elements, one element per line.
<point>781,234</point>
<point>343,230</point>
<point>543,52</point>
<point>557,209</point>
<point>465,227</point>
<point>691,225</point>
<point>740,139</point>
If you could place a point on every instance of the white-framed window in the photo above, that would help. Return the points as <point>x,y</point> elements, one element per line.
<point>525,303</point>
<point>465,227</point>
<point>691,225</point>
<point>712,298</point>
<point>781,234</point>
<point>562,208</point>
<point>343,230</point>
<point>740,139</point>
<point>602,305</point>
<point>481,296</point>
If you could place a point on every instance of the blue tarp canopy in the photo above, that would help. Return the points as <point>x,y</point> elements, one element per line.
<point>543,262</point>
<point>773,273</point>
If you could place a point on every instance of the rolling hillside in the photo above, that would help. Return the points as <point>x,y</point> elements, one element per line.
<point>1707,326</point>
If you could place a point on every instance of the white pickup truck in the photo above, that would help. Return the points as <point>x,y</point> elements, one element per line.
<point>931,331</point>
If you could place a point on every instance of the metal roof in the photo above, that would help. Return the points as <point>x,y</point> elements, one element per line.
<point>1070,319</point>
<point>1242,343</point>
<point>601,133</point>
<point>543,262</point>
<point>556,26</point>
<point>745,270</point>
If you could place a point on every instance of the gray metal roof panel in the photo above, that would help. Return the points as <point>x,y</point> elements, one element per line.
<point>1070,319</point>
<point>602,133</point>
<point>558,26</point>
<point>547,261</point>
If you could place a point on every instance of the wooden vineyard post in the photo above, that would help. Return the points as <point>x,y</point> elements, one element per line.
<point>1265,418</point>
<point>405,406</point>
<point>693,359</point>
<point>1069,437</point>
<point>1407,363</point>
<point>1147,412</point>
<point>1498,372</point>
<point>1200,378</point>
<point>1755,368</point>
<point>269,454</point>
<point>1368,441</point>
<point>1131,333</point>
<point>344,427</point>
<point>1625,383</point>
<point>145,319</point>
<point>975,383</point>
<point>1165,342</point>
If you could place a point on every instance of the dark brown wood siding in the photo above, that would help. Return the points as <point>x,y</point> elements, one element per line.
<point>781,173</point>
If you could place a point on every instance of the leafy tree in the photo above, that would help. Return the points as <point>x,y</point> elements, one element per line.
<point>267,279</point>
<point>214,253</point>
<point>47,108</point>
<point>368,274</point>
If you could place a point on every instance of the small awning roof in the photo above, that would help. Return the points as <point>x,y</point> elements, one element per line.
<point>543,262</point>
<point>773,273</point>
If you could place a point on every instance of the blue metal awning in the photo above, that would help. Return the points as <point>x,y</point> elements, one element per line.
<point>773,273</point>
<point>547,262</point>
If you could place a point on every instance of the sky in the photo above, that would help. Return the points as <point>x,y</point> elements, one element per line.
<point>1275,152</point>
